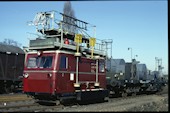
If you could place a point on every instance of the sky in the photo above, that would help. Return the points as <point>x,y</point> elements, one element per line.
<point>140,25</point>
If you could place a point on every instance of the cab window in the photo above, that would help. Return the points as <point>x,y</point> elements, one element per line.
<point>32,62</point>
<point>40,62</point>
<point>46,62</point>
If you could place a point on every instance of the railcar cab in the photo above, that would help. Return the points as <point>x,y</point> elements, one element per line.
<point>38,70</point>
<point>50,73</point>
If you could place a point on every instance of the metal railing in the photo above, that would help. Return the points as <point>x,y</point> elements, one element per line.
<point>54,20</point>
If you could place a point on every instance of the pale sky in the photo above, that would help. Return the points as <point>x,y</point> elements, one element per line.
<point>141,25</point>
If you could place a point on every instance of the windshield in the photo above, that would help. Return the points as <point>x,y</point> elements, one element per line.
<point>40,62</point>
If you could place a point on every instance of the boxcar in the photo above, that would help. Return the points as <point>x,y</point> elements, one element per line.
<point>11,67</point>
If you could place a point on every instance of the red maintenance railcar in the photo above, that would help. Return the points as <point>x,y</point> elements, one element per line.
<point>62,65</point>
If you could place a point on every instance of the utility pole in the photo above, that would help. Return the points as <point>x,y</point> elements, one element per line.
<point>158,63</point>
<point>131,64</point>
<point>131,52</point>
<point>107,43</point>
<point>135,56</point>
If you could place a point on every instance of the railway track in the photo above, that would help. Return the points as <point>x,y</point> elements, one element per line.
<point>164,92</point>
<point>13,97</point>
<point>26,106</point>
<point>116,104</point>
<point>31,106</point>
<point>15,106</point>
<point>22,103</point>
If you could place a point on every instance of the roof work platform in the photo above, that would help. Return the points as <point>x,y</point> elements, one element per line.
<point>54,28</point>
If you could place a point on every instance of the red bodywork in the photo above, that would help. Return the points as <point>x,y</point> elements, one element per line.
<point>56,79</point>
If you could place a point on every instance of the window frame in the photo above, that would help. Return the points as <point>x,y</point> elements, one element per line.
<point>35,56</point>
<point>101,69</point>
<point>66,62</point>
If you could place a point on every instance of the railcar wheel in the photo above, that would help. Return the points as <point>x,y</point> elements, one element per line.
<point>106,99</point>
<point>7,90</point>
<point>124,94</point>
<point>133,94</point>
<point>57,102</point>
<point>12,88</point>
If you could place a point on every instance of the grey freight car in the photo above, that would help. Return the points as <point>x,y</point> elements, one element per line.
<point>141,72</point>
<point>115,75</point>
<point>122,77</point>
<point>115,69</point>
<point>11,67</point>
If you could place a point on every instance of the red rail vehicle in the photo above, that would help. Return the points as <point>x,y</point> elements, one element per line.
<point>64,64</point>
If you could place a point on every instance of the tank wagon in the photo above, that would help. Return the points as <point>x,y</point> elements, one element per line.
<point>62,65</point>
<point>11,68</point>
<point>122,78</point>
<point>115,74</point>
<point>157,82</point>
<point>130,78</point>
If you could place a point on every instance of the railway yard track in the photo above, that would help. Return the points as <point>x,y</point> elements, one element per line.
<point>26,107</point>
<point>118,104</point>
<point>23,103</point>
<point>13,97</point>
<point>29,105</point>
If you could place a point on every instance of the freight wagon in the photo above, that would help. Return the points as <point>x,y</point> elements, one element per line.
<point>11,68</point>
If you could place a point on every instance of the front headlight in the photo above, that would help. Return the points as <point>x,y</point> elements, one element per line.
<point>26,75</point>
<point>49,75</point>
<point>121,73</point>
<point>116,75</point>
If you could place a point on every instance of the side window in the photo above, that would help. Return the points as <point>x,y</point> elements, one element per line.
<point>108,65</point>
<point>101,66</point>
<point>63,62</point>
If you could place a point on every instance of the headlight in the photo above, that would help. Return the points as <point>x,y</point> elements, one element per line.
<point>26,75</point>
<point>121,73</point>
<point>49,75</point>
<point>116,75</point>
<point>39,53</point>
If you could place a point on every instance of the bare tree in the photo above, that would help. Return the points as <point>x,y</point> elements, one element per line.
<point>67,10</point>
<point>11,42</point>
